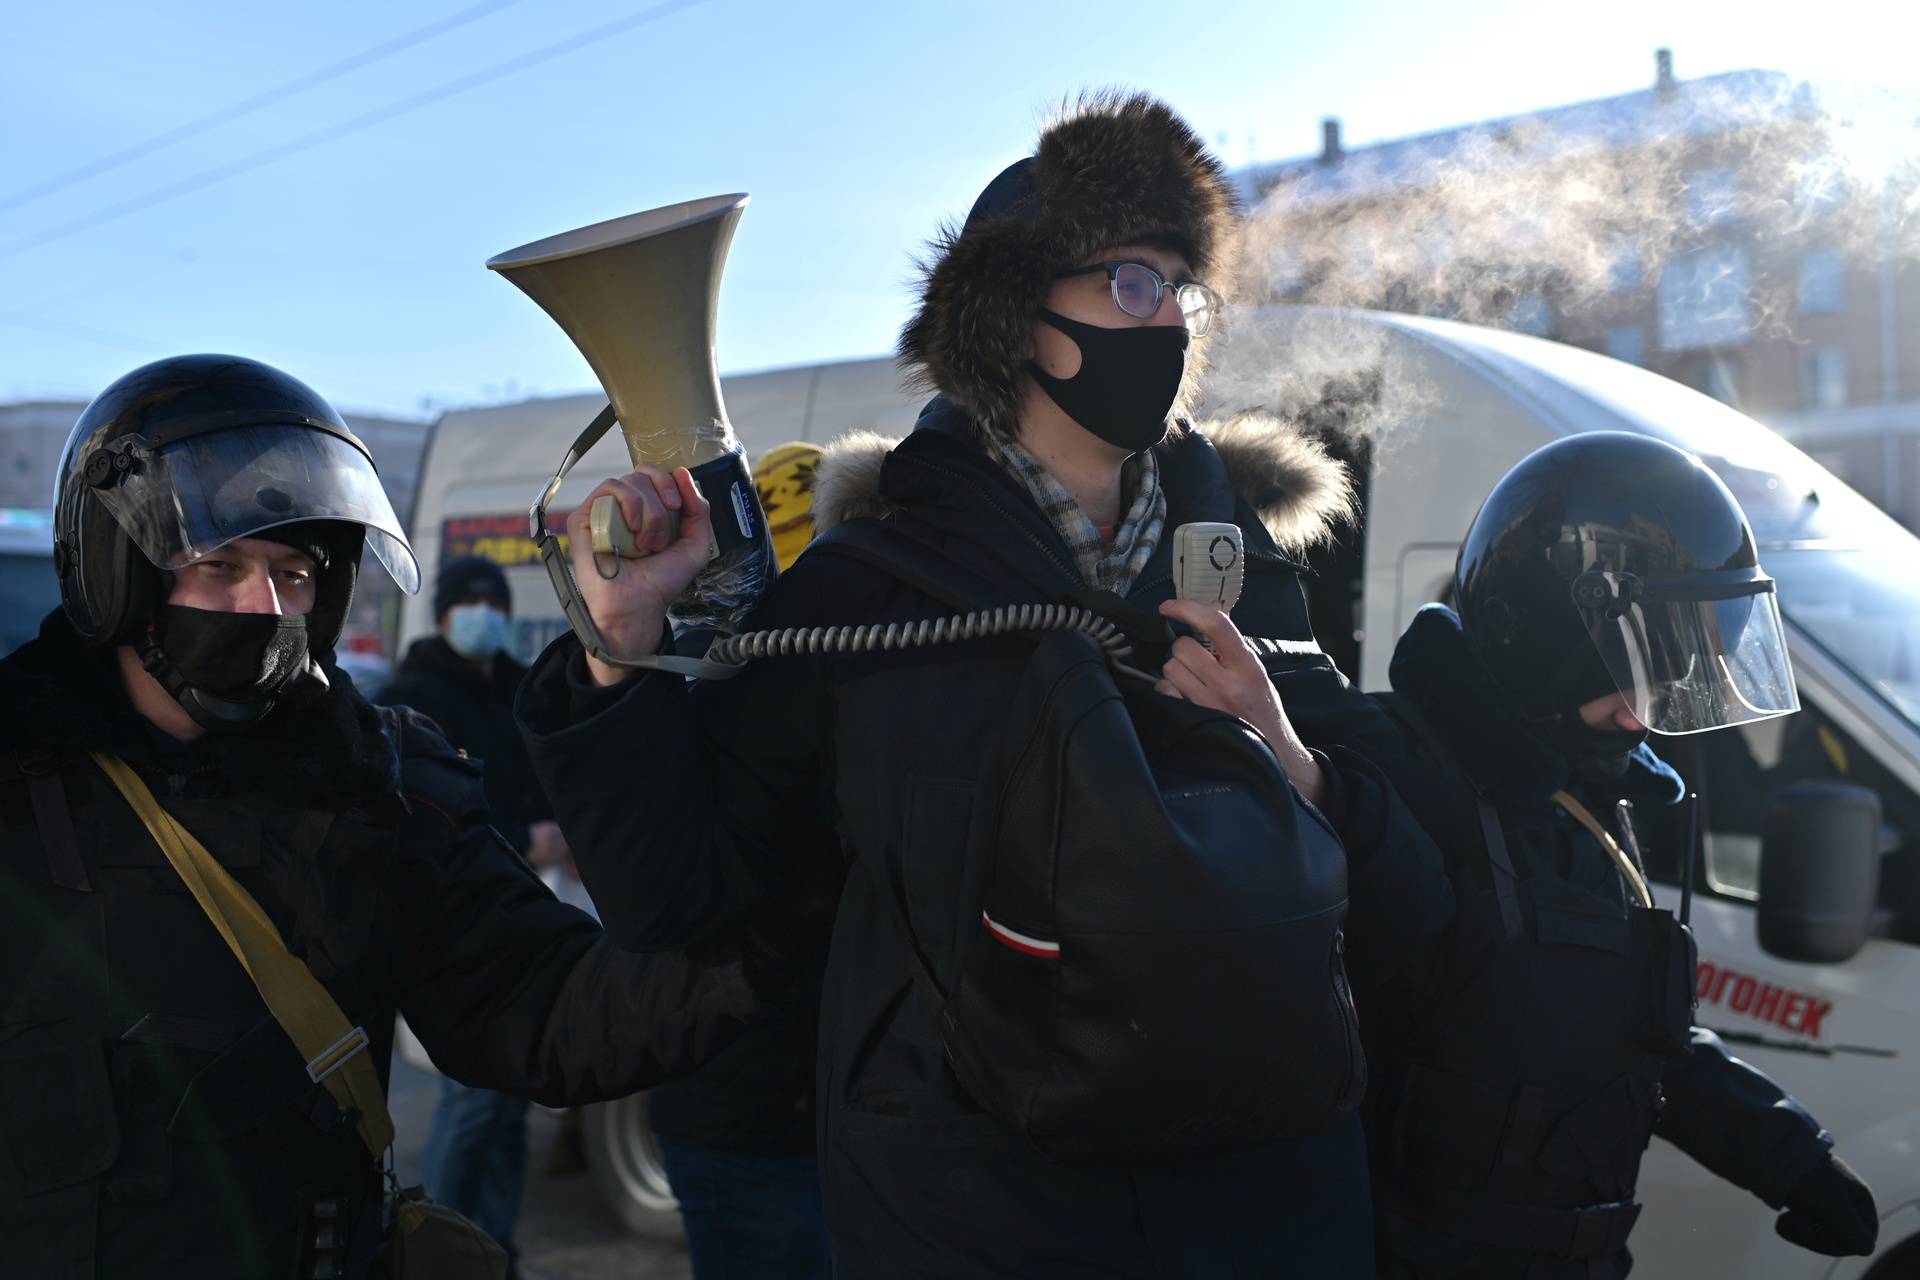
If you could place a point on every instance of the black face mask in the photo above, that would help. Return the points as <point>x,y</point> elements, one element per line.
<point>1127,382</point>
<point>227,669</point>
<point>1586,747</point>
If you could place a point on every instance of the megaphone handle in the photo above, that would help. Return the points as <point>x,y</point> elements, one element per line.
<point>610,534</point>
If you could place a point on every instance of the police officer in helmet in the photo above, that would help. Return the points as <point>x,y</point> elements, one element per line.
<point>210,519</point>
<point>1608,589</point>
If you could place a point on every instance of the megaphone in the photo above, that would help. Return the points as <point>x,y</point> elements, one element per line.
<point>637,295</point>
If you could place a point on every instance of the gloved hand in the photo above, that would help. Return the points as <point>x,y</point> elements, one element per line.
<point>1831,1211</point>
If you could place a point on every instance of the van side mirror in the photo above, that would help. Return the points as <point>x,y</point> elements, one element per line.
<point>1819,870</point>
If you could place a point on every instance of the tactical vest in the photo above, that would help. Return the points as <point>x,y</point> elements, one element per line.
<point>1527,1086</point>
<point>154,1119</point>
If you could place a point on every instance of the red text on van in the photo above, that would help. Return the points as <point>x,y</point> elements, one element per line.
<point>1798,1011</point>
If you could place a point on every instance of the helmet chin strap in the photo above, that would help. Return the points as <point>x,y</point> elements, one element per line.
<point>209,710</point>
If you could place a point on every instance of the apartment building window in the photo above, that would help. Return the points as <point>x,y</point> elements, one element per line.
<point>1712,197</point>
<point>1823,283</point>
<point>1702,299</point>
<point>1823,379</point>
<point>1627,342</point>
<point>1531,313</point>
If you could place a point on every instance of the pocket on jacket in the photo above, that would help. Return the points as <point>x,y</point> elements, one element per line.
<point>1567,915</point>
<point>58,1138</point>
<point>57,1123</point>
<point>1445,1134</point>
<point>939,883</point>
<point>1598,1143</point>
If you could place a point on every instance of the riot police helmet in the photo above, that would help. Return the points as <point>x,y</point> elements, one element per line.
<point>185,455</point>
<point>1614,562</point>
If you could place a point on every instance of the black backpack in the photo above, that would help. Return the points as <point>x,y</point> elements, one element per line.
<point>1158,969</point>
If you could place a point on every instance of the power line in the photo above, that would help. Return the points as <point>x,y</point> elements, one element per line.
<point>62,329</point>
<point>366,120</point>
<point>225,115</point>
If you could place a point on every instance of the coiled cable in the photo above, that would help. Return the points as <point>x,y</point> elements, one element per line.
<point>881,637</point>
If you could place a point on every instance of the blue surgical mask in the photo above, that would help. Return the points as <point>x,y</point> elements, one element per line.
<point>476,630</point>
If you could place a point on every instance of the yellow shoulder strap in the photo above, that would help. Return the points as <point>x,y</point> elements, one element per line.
<point>1628,872</point>
<point>335,1050</point>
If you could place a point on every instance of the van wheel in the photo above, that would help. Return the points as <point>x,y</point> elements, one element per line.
<point>624,1157</point>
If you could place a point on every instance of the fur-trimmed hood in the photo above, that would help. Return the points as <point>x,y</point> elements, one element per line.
<point>1113,169</point>
<point>1300,491</point>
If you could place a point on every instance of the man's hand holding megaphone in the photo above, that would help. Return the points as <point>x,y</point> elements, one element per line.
<point>629,598</point>
<point>637,296</point>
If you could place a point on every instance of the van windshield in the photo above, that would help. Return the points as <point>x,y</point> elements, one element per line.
<point>1848,574</point>
<point>1862,605</point>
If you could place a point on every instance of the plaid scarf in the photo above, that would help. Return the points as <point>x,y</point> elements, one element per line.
<point>1101,567</point>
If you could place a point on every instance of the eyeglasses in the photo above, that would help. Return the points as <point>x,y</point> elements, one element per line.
<point>1137,288</point>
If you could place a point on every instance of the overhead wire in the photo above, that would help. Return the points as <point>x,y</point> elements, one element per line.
<point>247,106</point>
<point>355,124</point>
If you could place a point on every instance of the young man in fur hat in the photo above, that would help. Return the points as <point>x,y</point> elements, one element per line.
<point>1060,327</point>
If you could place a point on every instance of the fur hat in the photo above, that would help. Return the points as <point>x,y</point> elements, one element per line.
<point>1113,169</point>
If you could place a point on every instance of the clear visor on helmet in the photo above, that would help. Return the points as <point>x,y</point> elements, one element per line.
<point>185,500</point>
<point>1688,662</point>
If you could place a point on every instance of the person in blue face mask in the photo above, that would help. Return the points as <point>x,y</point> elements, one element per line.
<point>462,676</point>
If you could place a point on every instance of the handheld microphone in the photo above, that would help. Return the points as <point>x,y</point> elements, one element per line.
<point>1209,567</point>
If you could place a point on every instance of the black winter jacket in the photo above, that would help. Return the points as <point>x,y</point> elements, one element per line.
<point>474,710</point>
<point>1481,1039</point>
<point>744,791</point>
<point>154,1119</point>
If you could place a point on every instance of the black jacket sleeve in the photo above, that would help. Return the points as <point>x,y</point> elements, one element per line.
<point>1400,898</point>
<point>509,989</point>
<point>689,805</point>
<point>459,721</point>
<point>1736,1122</point>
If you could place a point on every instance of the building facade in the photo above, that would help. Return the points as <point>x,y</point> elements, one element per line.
<point>1719,231</point>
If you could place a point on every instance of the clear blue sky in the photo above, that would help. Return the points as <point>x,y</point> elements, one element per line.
<point>356,263</point>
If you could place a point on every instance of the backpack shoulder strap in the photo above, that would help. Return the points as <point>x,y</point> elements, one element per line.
<point>896,914</point>
<point>894,549</point>
<point>1408,713</point>
<point>40,769</point>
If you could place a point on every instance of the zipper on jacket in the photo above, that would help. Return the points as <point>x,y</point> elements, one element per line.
<point>1355,1081</point>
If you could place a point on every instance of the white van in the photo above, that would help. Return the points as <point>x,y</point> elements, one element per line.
<point>1449,409</point>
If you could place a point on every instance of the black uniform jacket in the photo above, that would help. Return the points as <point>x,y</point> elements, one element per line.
<point>154,1120</point>
<point>1513,1077</point>
<point>474,711</point>
<point>688,805</point>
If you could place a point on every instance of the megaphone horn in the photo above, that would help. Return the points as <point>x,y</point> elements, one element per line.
<point>638,295</point>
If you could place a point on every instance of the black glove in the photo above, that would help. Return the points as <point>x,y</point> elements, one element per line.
<point>1830,1211</point>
